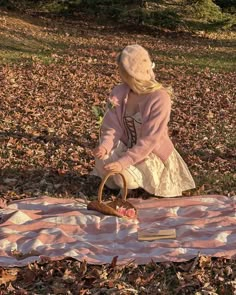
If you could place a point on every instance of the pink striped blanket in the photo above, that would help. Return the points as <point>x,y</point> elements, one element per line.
<point>31,229</point>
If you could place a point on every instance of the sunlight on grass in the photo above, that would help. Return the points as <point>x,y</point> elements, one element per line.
<point>215,60</point>
<point>13,57</point>
<point>26,38</point>
<point>20,40</point>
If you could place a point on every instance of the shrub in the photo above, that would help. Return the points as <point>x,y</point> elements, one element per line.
<point>8,4</point>
<point>167,18</point>
<point>61,6</point>
<point>227,5</point>
<point>206,10</point>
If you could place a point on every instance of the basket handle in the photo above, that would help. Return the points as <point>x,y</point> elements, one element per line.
<point>100,189</point>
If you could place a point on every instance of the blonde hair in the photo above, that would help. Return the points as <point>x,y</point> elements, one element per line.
<point>140,86</point>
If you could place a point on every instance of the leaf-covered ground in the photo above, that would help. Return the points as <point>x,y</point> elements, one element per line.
<point>52,72</point>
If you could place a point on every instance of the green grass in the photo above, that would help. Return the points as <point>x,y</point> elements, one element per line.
<point>215,60</point>
<point>23,40</point>
<point>201,25</point>
<point>28,48</point>
<point>216,182</point>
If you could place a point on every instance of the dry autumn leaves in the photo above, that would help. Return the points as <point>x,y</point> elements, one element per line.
<point>58,72</point>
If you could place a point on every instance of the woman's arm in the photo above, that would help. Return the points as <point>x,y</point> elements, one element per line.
<point>111,130</point>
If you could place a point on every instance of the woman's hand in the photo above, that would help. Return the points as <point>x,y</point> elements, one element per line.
<point>113,167</point>
<point>99,152</point>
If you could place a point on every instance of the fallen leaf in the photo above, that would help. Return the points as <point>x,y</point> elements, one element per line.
<point>8,276</point>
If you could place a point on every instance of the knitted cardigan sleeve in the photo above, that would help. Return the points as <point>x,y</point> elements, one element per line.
<point>156,116</point>
<point>111,130</point>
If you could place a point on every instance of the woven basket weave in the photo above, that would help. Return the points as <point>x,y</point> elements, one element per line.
<point>110,208</point>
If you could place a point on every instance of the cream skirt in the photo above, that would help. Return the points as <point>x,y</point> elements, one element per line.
<point>167,179</point>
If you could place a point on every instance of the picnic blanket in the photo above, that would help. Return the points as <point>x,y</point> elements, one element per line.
<point>31,229</point>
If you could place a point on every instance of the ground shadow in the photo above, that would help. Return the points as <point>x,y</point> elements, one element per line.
<point>18,183</point>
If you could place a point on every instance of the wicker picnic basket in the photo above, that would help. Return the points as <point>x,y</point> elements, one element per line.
<point>111,208</point>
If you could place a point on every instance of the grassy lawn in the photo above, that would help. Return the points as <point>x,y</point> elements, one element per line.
<point>23,38</point>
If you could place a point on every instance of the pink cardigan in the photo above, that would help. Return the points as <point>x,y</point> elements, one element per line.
<point>155,112</point>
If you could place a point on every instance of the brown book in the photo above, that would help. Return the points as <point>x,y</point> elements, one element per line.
<point>151,235</point>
